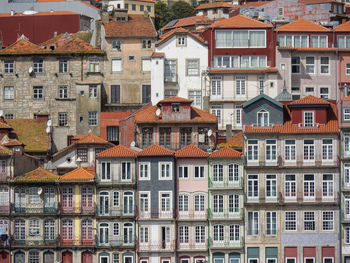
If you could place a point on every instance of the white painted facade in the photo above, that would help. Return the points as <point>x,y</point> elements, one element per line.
<point>180,54</point>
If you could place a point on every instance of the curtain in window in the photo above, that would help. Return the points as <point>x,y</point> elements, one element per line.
<point>262,62</point>
<point>304,41</point>
<point>257,38</point>
<point>223,39</point>
<point>235,61</point>
<point>289,41</point>
<point>341,41</point>
<point>240,38</point>
<point>314,41</point>
<point>323,41</point>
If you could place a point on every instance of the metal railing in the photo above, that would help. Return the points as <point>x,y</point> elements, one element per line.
<point>226,243</point>
<point>192,244</point>
<point>116,242</point>
<point>157,214</point>
<point>225,183</point>
<point>225,214</point>
<point>192,214</point>
<point>34,210</point>
<point>114,212</point>
<point>81,209</point>
<point>78,242</point>
<point>157,246</point>
<point>34,242</point>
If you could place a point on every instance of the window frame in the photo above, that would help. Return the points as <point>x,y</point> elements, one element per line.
<point>148,166</point>
<point>160,176</point>
<point>191,60</point>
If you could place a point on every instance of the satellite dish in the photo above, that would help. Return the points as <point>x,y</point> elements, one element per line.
<point>30,70</point>
<point>48,129</point>
<point>110,8</point>
<point>78,160</point>
<point>132,144</point>
<point>158,112</point>
<point>210,133</point>
<point>1,113</point>
<point>49,123</point>
<point>40,190</point>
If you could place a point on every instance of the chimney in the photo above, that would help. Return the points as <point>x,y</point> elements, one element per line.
<point>228,131</point>
<point>12,12</point>
<point>296,17</point>
<point>343,20</point>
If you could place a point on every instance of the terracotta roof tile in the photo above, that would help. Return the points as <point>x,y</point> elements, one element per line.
<point>240,21</point>
<point>178,30</point>
<point>191,151</point>
<point>155,150</point>
<point>77,45</point>
<point>345,27</point>
<point>22,46</point>
<point>118,151</point>
<point>312,100</point>
<point>158,55</point>
<point>255,4</point>
<point>309,49</point>
<point>346,98</point>
<point>197,116</point>
<point>13,142</point>
<point>5,151</point>
<point>175,99</point>
<point>188,21</point>
<point>78,175</point>
<point>92,6</point>
<point>38,175</point>
<point>236,141</point>
<point>136,26</point>
<point>302,25</point>
<point>247,70</point>
<point>4,125</point>
<point>91,138</point>
<point>305,2</point>
<point>225,152</point>
<point>215,5</point>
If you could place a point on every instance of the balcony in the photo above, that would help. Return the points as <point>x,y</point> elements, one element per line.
<point>157,246</point>
<point>34,243</point>
<point>34,210</point>
<point>263,163</point>
<point>319,199</point>
<point>192,245</point>
<point>226,183</point>
<point>78,242</point>
<point>156,214</point>
<point>102,212</point>
<point>226,243</point>
<point>116,242</point>
<point>192,215</point>
<point>226,214</point>
<point>261,199</point>
<point>86,210</point>
<point>4,209</point>
<point>317,162</point>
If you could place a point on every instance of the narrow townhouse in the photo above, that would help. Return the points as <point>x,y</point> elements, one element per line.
<point>178,66</point>
<point>241,63</point>
<point>77,216</point>
<point>225,201</point>
<point>292,178</point>
<point>306,58</point>
<point>156,189</point>
<point>115,214</point>
<point>192,207</point>
<point>35,224</point>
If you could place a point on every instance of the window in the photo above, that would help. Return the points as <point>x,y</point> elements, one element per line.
<point>165,171</point>
<point>199,234</point>
<point>93,91</point>
<point>183,172</point>
<point>290,186</point>
<point>67,229</point>
<point>309,221</point>
<point>192,67</point>
<point>347,69</point>
<point>34,197</point>
<point>113,133</point>
<point>253,186</point>
<point>49,229</point>
<point>34,227</point>
<point>319,42</point>
<point>233,172</point>
<point>218,203</point>
<point>297,41</point>
<point>196,96</point>
<point>240,62</point>
<point>117,65</point>
<point>289,150</point>
<point>216,110</point>
<point>218,233</point>
<point>271,150</point>
<point>327,220</point>
<point>94,65</point>
<point>115,229</point>
<point>183,234</point>
<point>9,93</point>
<point>310,65</point>
<point>92,118</point>
<point>144,202</point>
<point>67,197</point>
<point>175,107</point>
<point>105,171</point>
<point>280,11</point>
<point>149,9</point>
<point>271,184</point>
<point>309,186</point>
<point>144,171</point>
<point>324,93</point>
<point>63,92</point>
<point>126,171</point>
<point>234,233</point>
<point>116,199</point>
<point>128,203</point>
<point>9,116</point>
<point>63,66</point>
<point>181,41</point>
<point>115,94</point>
<point>295,93</point>
<point>253,223</point>
<point>38,92</point>
<point>143,234</point>
<point>238,115</point>
<point>185,136</point>
<point>133,6</point>
<point>327,186</point>
<point>4,196</point>
<point>38,65</point>
<point>216,86</point>
<point>290,221</point>
<point>86,229</point>
<point>104,233</point>
<point>295,65</point>
<point>62,119</point>
<point>20,230</point>
<point>347,174</point>
<point>199,172</point>
<point>147,137</point>
<point>263,118</point>
<point>199,203</point>
<point>343,41</point>
<point>240,86</point>
<point>308,118</point>
<point>169,93</point>
<point>240,39</point>
<point>146,64</point>
<point>170,71</point>
<point>261,84</point>
<point>309,91</point>
<point>233,203</point>
<point>165,202</point>
<point>309,150</point>
<point>271,223</point>
<point>165,137</point>
<point>117,45</point>
<point>347,235</point>
<point>9,66</point>
<point>218,173</point>
<point>82,153</point>
<point>146,43</point>
<point>253,150</point>
<point>33,257</point>
<point>324,65</point>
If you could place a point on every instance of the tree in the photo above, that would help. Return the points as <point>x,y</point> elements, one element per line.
<point>162,14</point>
<point>182,9</point>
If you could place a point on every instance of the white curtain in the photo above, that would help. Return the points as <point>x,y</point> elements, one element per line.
<point>257,38</point>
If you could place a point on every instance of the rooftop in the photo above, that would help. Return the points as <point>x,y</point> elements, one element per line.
<point>5,151</point>
<point>78,175</point>
<point>118,151</point>
<point>255,4</point>
<point>345,27</point>
<point>175,99</point>
<point>91,138</point>
<point>155,150</point>
<point>216,5</point>
<point>236,141</point>
<point>240,21</point>
<point>191,151</point>
<point>187,21</point>
<point>37,175</point>
<point>178,30</point>
<point>225,152</point>
<point>302,25</point>
<point>310,100</point>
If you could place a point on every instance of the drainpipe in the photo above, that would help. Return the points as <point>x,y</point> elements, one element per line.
<point>339,150</point>
<point>209,256</point>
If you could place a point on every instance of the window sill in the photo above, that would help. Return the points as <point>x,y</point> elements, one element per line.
<point>65,99</point>
<point>94,73</point>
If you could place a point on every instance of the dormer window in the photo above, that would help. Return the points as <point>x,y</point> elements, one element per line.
<point>263,118</point>
<point>175,107</point>
<point>308,118</point>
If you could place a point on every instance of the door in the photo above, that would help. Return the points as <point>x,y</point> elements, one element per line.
<point>49,199</point>
<point>87,197</point>
<point>49,257</point>
<point>115,94</point>
<point>165,237</point>
<point>20,200</point>
<point>19,257</point>
<point>67,257</point>
<point>128,203</point>
<point>128,233</point>
<point>4,257</point>
<point>104,234</point>
<point>104,259</point>
<point>86,257</point>
<point>127,259</point>
<point>104,203</point>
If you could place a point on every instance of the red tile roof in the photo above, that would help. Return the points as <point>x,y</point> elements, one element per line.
<point>5,151</point>
<point>191,151</point>
<point>225,152</point>
<point>197,116</point>
<point>78,175</point>
<point>88,4</point>
<point>77,45</point>
<point>91,138</point>
<point>236,141</point>
<point>158,54</point>
<point>118,151</point>
<point>310,49</point>
<point>255,4</point>
<point>189,21</point>
<point>13,142</point>
<point>22,46</point>
<point>246,70</point>
<point>178,30</point>
<point>215,5</point>
<point>312,100</point>
<point>240,21</point>
<point>136,26</point>
<point>305,2</point>
<point>302,25</point>
<point>345,27</point>
<point>38,175</point>
<point>4,125</point>
<point>175,99</point>
<point>346,98</point>
<point>155,150</point>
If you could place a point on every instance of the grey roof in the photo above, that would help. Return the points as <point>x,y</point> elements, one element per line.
<point>284,96</point>
<point>262,96</point>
